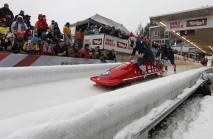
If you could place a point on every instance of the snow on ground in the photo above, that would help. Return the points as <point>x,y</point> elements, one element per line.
<point>202,127</point>
<point>46,115</point>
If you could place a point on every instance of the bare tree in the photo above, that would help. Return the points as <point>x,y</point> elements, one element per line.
<point>139,30</point>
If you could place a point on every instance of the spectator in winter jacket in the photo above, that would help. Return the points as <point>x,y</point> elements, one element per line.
<point>94,54</point>
<point>104,57</point>
<point>31,47</point>
<point>19,25</point>
<point>50,26</point>
<point>85,52</point>
<point>80,38</point>
<point>46,49</point>
<point>61,49</point>
<point>27,21</point>
<point>74,51</point>
<point>19,42</point>
<point>97,49</point>
<point>28,35</point>
<point>20,14</point>
<point>5,12</point>
<point>10,42</point>
<point>41,25</point>
<point>67,30</point>
<point>111,55</point>
<point>87,31</point>
<point>55,36</point>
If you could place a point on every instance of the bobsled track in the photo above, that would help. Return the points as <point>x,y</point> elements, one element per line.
<point>61,102</point>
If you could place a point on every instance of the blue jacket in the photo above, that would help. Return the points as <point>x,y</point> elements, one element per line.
<point>142,47</point>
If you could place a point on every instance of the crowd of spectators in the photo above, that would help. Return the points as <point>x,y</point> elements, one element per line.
<point>21,37</point>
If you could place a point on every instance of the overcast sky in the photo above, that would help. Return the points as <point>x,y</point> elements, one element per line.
<point>128,12</point>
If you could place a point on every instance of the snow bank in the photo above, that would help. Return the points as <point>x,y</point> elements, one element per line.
<point>101,116</point>
<point>22,76</point>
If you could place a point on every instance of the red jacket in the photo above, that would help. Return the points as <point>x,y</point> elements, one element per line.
<point>42,24</point>
<point>86,53</point>
<point>42,52</point>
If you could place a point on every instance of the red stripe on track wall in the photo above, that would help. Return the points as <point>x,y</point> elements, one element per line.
<point>27,61</point>
<point>3,55</point>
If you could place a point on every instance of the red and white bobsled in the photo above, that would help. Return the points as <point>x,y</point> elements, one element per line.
<point>124,73</point>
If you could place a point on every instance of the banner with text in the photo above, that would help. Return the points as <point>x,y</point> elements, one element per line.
<point>94,40</point>
<point>190,24</point>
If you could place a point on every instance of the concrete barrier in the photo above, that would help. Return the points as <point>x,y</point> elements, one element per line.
<point>22,76</point>
<point>106,114</point>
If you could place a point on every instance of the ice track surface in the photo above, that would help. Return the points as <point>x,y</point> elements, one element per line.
<point>21,100</point>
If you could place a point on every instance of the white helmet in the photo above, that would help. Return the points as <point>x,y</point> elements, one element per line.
<point>10,35</point>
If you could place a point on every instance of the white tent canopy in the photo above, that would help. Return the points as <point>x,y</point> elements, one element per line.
<point>99,20</point>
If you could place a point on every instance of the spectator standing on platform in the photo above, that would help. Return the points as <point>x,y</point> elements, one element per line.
<point>20,14</point>
<point>95,30</point>
<point>41,25</point>
<point>85,52</point>
<point>46,49</point>
<point>67,30</point>
<point>31,47</point>
<point>19,42</point>
<point>61,49</point>
<point>27,21</point>
<point>6,11</point>
<point>86,31</point>
<point>55,36</point>
<point>9,20</point>
<point>112,32</point>
<point>80,38</point>
<point>50,26</point>
<point>74,51</point>
<point>19,25</point>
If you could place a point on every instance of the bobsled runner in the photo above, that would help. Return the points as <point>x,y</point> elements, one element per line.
<point>124,73</point>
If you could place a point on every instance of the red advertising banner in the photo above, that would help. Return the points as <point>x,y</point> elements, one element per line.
<point>197,22</point>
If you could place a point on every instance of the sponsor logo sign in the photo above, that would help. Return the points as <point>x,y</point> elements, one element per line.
<point>97,41</point>
<point>121,45</point>
<point>176,25</point>
<point>109,42</point>
<point>197,22</point>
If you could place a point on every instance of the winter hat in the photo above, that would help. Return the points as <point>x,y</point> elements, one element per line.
<point>10,35</point>
<point>60,41</point>
<point>35,39</point>
<point>47,40</point>
<point>68,23</point>
<point>130,34</point>
<point>18,33</point>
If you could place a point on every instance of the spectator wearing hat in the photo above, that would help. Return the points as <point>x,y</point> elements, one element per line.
<point>31,47</point>
<point>67,30</point>
<point>20,14</point>
<point>28,23</point>
<point>41,25</point>
<point>6,11</point>
<point>10,42</point>
<point>80,38</point>
<point>50,26</point>
<point>19,25</point>
<point>61,49</point>
<point>95,30</point>
<point>46,49</point>
<point>74,51</point>
<point>19,42</point>
<point>85,52</point>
